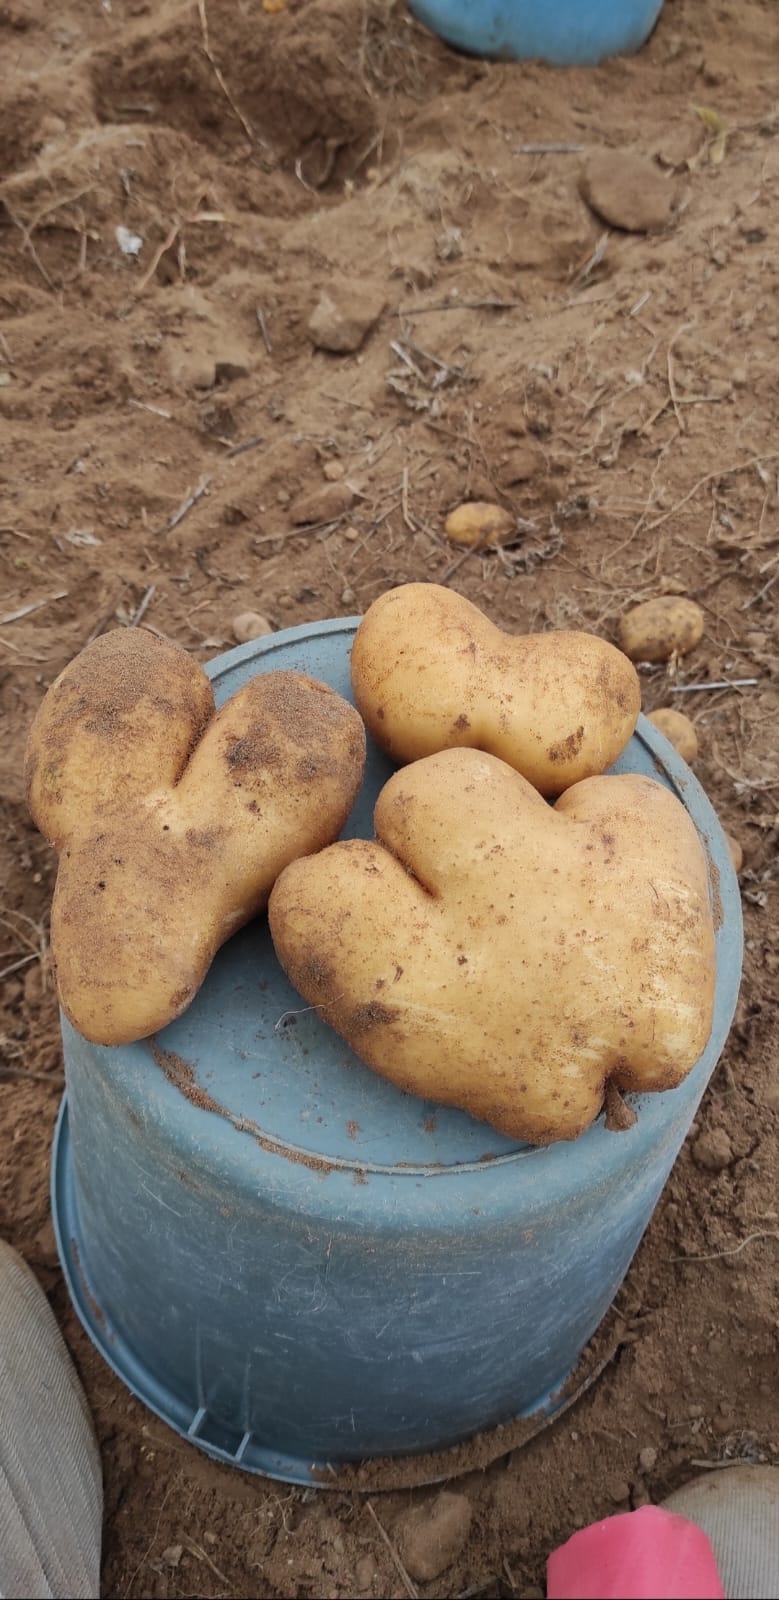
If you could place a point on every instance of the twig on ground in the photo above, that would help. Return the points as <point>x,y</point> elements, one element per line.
<point>168,241</point>
<point>156,411</point>
<point>35,605</point>
<point>735,1251</point>
<point>263,322</point>
<point>103,621</point>
<point>548,149</point>
<point>722,683</point>
<point>28,244</point>
<point>218,74</point>
<point>201,1555</point>
<point>462,305</point>
<point>710,477</point>
<point>187,504</point>
<point>16,966</point>
<point>404,501</point>
<point>410,1588</point>
<point>143,607</point>
<point>55,1080</point>
<point>144,1558</point>
<point>761,593</point>
<point>246,444</point>
<point>472,550</point>
<point>669,357</point>
<point>594,260</point>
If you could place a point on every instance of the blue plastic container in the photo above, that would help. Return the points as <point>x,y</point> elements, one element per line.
<point>294,1263</point>
<point>565,33</point>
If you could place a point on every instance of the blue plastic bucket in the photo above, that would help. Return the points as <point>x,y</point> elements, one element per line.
<point>565,33</point>
<point>294,1263</point>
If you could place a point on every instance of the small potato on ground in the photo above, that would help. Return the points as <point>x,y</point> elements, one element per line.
<point>678,729</point>
<point>736,852</point>
<point>478,522</point>
<point>659,629</point>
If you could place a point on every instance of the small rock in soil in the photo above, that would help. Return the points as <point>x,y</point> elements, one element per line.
<point>365,1572</point>
<point>514,421</point>
<point>332,471</point>
<point>322,505</point>
<point>771,1097</point>
<point>618,1490</point>
<point>172,1555</point>
<point>229,371</point>
<point>250,625</point>
<point>712,1150</point>
<point>343,317</point>
<point>431,1537</point>
<point>647,1458</point>
<point>627,191</point>
<point>45,1246</point>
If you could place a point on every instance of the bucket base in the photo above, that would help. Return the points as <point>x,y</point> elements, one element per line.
<point>222,1444</point>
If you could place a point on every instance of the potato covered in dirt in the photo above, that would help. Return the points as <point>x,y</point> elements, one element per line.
<point>736,852</point>
<point>478,522</point>
<point>516,960</point>
<point>171,820</point>
<point>678,729</point>
<point>658,630</point>
<point>430,672</point>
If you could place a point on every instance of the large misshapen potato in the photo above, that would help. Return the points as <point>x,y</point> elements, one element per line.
<point>430,672</point>
<point>496,954</point>
<point>171,820</point>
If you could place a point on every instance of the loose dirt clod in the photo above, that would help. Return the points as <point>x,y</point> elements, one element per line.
<point>325,504</point>
<point>344,316</point>
<point>712,1150</point>
<point>250,625</point>
<point>430,1537</point>
<point>627,191</point>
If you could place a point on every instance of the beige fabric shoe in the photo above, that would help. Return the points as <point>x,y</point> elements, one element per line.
<point>51,1491</point>
<point>738,1508</point>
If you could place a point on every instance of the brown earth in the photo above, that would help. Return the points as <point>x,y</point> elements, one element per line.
<point>617,391</point>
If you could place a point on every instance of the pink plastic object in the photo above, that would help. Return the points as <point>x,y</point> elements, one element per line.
<point>649,1554</point>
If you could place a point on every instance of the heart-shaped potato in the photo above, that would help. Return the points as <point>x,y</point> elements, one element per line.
<point>430,672</point>
<point>495,953</point>
<point>171,820</point>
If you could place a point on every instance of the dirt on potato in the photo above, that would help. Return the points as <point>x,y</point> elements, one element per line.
<point>191,195</point>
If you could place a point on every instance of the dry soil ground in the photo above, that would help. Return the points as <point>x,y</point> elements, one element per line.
<point>617,391</point>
